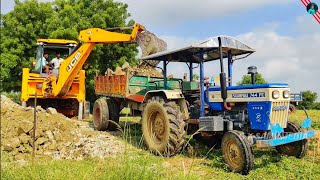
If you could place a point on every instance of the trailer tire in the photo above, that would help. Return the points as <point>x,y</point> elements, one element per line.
<point>163,127</point>
<point>297,149</point>
<point>237,152</point>
<point>114,110</point>
<point>100,114</point>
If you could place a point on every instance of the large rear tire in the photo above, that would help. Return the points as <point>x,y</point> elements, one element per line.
<point>163,127</point>
<point>297,149</point>
<point>237,152</point>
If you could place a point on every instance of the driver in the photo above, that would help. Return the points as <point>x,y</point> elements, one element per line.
<point>44,63</point>
<point>56,63</point>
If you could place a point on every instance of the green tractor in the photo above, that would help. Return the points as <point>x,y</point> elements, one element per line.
<point>237,117</point>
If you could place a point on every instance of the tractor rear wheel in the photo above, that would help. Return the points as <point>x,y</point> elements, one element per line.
<point>100,114</point>
<point>297,149</point>
<point>163,127</point>
<point>237,152</point>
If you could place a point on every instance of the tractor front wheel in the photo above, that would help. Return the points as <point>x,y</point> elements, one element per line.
<point>237,152</point>
<point>163,127</point>
<point>297,149</point>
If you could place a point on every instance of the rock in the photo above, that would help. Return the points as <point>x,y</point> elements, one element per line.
<point>52,111</point>
<point>28,108</point>
<point>28,148</point>
<point>125,65</point>
<point>41,141</point>
<point>24,138</point>
<point>53,147</point>
<point>19,156</point>
<point>57,136</point>
<point>21,149</point>
<point>39,152</point>
<point>14,142</point>
<point>119,71</point>
<point>50,135</point>
<point>25,127</point>
<point>40,109</point>
<point>7,147</point>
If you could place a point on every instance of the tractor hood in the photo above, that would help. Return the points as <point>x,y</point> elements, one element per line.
<point>210,47</point>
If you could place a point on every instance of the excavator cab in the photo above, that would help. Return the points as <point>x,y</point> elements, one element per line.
<point>33,79</point>
<point>51,47</point>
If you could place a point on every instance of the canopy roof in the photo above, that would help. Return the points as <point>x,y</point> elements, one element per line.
<point>193,52</point>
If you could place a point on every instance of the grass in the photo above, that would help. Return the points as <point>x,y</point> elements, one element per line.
<point>136,163</point>
<point>300,115</point>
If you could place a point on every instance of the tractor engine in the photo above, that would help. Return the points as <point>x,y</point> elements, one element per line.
<point>254,108</point>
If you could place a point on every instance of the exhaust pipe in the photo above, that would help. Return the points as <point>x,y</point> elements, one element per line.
<point>223,78</point>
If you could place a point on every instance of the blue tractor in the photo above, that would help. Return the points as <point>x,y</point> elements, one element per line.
<point>235,117</point>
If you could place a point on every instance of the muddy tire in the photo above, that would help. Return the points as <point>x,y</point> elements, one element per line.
<point>292,108</point>
<point>163,127</point>
<point>237,152</point>
<point>297,149</point>
<point>100,114</point>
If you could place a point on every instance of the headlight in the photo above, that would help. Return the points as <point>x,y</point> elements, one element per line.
<point>275,94</point>
<point>286,94</point>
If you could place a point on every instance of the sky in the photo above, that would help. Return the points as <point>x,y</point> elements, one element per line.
<point>285,37</point>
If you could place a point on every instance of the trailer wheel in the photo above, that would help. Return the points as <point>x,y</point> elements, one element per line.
<point>292,108</point>
<point>114,110</point>
<point>297,149</point>
<point>100,114</point>
<point>237,152</point>
<point>163,127</point>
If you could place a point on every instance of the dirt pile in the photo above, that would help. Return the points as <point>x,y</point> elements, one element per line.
<point>56,135</point>
<point>135,71</point>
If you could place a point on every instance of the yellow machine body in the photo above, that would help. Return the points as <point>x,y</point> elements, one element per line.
<point>66,92</point>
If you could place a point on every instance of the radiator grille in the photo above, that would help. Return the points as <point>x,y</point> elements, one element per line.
<point>280,115</point>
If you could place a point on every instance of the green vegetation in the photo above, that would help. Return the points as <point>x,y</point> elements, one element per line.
<point>308,100</point>
<point>246,80</point>
<point>142,165</point>
<point>14,96</point>
<point>31,20</point>
<point>200,163</point>
<point>300,115</point>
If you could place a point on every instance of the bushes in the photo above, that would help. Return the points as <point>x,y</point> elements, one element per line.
<point>14,96</point>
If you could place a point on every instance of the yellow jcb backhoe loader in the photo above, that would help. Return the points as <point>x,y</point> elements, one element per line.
<point>66,91</point>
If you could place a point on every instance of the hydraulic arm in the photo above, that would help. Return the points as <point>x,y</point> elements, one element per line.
<point>71,66</point>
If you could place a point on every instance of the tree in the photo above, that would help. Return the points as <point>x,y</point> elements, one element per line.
<point>31,20</point>
<point>19,30</point>
<point>246,80</point>
<point>308,99</point>
<point>316,105</point>
<point>195,77</point>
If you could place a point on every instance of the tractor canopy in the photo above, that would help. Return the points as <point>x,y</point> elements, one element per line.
<point>209,47</point>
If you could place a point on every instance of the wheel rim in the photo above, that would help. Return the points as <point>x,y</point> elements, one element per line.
<point>97,116</point>
<point>233,154</point>
<point>156,126</point>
